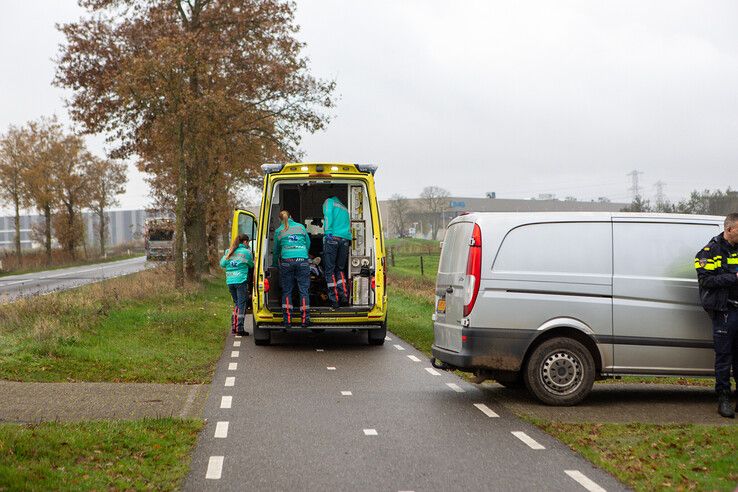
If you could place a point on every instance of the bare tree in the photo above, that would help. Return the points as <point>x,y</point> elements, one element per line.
<point>107,180</point>
<point>434,200</point>
<point>399,209</point>
<point>13,189</point>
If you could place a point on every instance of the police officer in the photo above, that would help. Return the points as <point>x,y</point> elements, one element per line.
<point>717,273</point>
<point>337,230</point>
<point>291,245</point>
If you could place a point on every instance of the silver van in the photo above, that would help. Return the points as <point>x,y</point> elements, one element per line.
<point>557,300</point>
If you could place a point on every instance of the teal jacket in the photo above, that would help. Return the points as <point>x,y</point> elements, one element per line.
<point>292,242</point>
<point>336,219</point>
<point>237,266</point>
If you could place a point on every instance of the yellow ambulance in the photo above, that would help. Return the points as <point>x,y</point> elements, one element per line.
<point>301,188</point>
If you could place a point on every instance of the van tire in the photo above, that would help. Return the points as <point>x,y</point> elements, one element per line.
<point>261,336</point>
<point>377,336</point>
<point>560,372</point>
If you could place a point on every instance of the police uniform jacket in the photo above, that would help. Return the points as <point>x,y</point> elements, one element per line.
<point>717,264</point>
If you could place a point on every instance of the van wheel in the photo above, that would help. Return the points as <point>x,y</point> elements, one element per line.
<point>560,372</point>
<point>376,336</point>
<point>261,336</point>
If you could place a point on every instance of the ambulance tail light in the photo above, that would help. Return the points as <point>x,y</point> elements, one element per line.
<point>473,270</point>
<point>266,285</point>
<point>374,283</point>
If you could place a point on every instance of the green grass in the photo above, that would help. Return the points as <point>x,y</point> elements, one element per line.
<point>410,318</point>
<point>101,455</point>
<point>657,457</point>
<point>131,329</point>
<point>93,261</point>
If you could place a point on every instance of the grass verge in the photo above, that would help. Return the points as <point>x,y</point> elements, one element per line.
<point>130,329</point>
<point>657,457</point>
<point>100,455</point>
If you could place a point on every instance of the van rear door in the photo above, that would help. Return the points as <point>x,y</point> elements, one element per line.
<point>450,286</point>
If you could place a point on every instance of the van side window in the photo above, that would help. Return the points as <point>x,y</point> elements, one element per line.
<point>455,252</point>
<point>557,248</point>
<point>659,250</point>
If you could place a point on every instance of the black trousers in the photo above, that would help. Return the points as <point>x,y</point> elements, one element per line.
<point>725,337</point>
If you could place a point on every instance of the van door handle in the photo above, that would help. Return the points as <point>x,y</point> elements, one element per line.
<point>450,290</point>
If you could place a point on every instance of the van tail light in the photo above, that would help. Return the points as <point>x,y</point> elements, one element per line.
<point>473,270</point>
<point>266,285</point>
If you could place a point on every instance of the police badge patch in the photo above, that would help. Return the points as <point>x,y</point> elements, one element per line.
<point>703,262</point>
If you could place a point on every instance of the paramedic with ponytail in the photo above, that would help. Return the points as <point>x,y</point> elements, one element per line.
<point>291,245</point>
<point>236,262</point>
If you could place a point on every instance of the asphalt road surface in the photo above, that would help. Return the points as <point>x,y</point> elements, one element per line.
<point>329,412</point>
<point>31,284</point>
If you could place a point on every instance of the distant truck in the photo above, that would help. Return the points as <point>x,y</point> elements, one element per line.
<point>159,238</point>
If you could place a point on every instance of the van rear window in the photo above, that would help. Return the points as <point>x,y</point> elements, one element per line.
<point>455,248</point>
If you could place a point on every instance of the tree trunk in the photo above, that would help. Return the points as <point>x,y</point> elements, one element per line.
<point>101,217</point>
<point>18,253</point>
<point>180,214</point>
<point>47,232</point>
<point>71,239</point>
<point>197,249</point>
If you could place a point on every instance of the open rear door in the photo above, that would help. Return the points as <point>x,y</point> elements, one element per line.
<point>244,222</point>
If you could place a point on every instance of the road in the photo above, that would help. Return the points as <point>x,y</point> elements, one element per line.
<point>31,284</point>
<point>329,412</point>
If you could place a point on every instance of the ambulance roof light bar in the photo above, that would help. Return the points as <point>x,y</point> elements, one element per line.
<point>367,168</point>
<point>271,168</point>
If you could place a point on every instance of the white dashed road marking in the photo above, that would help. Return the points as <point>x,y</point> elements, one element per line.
<point>221,430</point>
<point>230,381</point>
<point>455,387</point>
<point>215,468</point>
<point>532,443</point>
<point>486,410</point>
<point>370,432</point>
<point>319,350</point>
<point>237,343</point>
<point>413,358</point>
<point>388,339</point>
<point>584,481</point>
<point>432,371</point>
<point>226,401</point>
<point>234,353</point>
<point>346,393</point>
<point>399,347</point>
<point>331,368</point>
<point>232,366</point>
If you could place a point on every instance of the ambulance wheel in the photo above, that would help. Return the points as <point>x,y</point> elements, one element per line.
<point>377,335</point>
<point>261,336</point>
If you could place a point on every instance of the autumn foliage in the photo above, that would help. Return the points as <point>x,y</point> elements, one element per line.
<point>199,91</point>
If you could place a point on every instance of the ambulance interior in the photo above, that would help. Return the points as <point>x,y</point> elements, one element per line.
<point>304,200</point>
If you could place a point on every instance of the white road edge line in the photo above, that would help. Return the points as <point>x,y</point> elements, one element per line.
<point>221,430</point>
<point>370,432</point>
<point>413,358</point>
<point>234,353</point>
<point>346,393</point>
<point>432,371</point>
<point>455,387</point>
<point>237,343</point>
<point>331,368</point>
<point>584,481</point>
<point>230,381</point>
<point>226,401</point>
<point>233,366</point>
<point>399,347</point>
<point>485,410</point>
<point>532,443</point>
<point>215,468</point>
<point>319,350</point>
<point>388,339</point>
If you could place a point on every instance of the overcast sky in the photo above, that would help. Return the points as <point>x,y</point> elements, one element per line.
<point>519,98</point>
